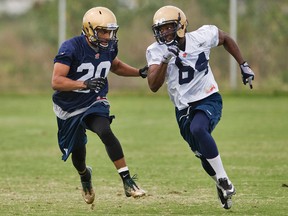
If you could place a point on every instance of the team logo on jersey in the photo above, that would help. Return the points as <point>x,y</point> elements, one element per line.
<point>184,55</point>
<point>97,56</point>
<point>213,87</point>
<point>201,44</point>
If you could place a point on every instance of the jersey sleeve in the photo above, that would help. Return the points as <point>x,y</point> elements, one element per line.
<point>154,54</point>
<point>65,54</point>
<point>211,34</point>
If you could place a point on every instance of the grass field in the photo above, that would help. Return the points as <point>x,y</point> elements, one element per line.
<point>252,138</point>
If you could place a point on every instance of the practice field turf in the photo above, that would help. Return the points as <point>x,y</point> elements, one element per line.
<point>252,138</point>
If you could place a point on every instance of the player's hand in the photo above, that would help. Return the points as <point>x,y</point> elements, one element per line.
<point>247,74</point>
<point>143,72</point>
<point>96,84</point>
<point>173,50</point>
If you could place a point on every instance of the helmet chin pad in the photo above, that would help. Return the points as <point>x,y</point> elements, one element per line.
<point>110,44</point>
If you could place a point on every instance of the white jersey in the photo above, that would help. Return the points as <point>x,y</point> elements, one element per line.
<point>189,77</point>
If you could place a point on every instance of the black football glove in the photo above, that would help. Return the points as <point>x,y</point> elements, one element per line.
<point>247,74</point>
<point>96,84</point>
<point>143,72</point>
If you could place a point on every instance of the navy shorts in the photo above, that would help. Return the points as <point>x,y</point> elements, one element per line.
<point>211,106</point>
<point>72,131</point>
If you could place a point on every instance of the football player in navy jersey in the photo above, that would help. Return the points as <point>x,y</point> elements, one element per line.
<point>182,59</point>
<point>79,102</point>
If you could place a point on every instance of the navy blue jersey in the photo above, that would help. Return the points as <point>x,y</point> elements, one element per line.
<point>84,63</point>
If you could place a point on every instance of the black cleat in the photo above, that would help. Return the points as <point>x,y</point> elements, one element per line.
<point>225,192</point>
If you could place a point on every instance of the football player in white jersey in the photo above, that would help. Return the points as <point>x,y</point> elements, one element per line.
<point>182,59</point>
<point>80,82</point>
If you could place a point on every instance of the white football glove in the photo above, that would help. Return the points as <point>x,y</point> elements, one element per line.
<point>247,74</point>
<point>173,50</point>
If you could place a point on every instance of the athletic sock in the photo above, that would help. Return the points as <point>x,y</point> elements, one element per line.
<point>217,165</point>
<point>124,173</point>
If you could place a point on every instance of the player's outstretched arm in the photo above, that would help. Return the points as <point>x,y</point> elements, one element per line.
<point>122,69</point>
<point>231,46</point>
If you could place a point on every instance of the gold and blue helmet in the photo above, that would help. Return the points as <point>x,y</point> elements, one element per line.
<point>96,19</point>
<point>169,15</point>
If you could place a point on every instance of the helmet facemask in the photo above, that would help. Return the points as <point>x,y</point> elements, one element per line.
<point>160,37</point>
<point>96,41</point>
